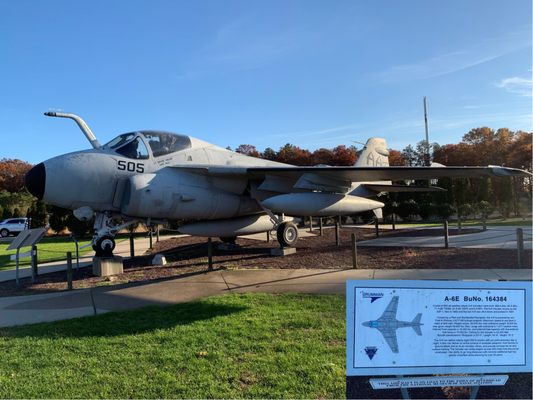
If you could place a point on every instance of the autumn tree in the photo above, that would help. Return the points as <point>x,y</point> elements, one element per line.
<point>12,174</point>
<point>247,150</point>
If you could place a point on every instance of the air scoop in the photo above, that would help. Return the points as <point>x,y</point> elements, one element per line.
<point>81,123</point>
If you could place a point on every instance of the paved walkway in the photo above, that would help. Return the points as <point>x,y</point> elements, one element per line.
<point>498,237</point>
<point>86,302</point>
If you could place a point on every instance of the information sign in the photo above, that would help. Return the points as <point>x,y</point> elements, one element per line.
<point>438,327</point>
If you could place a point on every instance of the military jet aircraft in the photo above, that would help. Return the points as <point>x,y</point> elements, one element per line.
<point>387,324</point>
<point>153,176</point>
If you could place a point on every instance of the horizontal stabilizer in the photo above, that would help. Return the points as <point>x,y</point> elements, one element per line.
<point>402,188</point>
<point>416,324</point>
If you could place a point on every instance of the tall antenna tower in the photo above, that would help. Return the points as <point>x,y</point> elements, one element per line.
<point>427,134</point>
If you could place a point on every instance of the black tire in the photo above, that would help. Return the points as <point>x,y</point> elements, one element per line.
<point>4,232</point>
<point>104,247</point>
<point>229,239</point>
<point>287,234</point>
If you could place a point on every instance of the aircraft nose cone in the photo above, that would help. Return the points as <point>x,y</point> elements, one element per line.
<point>35,180</point>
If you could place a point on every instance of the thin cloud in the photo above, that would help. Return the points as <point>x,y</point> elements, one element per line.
<point>516,85</point>
<point>448,63</point>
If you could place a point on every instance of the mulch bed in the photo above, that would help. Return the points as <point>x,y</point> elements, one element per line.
<point>188,255</point>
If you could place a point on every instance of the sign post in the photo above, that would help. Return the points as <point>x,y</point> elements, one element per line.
<point>28,237</point>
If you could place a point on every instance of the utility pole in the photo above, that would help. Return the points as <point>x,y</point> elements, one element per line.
<point>427,133</point>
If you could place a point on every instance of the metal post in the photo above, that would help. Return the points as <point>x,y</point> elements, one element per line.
<point>151,238</point>
<point>520,246</point>
<point>268,236</point>
<point>157,234</point>
<point>132,245</point>
<point>34,271</point>
<point>446,234</point>
<point>340,221</point>
<point>77,251</point>
<point>393,221</point>
<point>474,391</point>
<point>337,233</point>
<point>320,225</point>
<point>354,251</point>
<point>69,270</point>
<point>17,271</point>
<point>210,254</point>
<point>77,256</point>
<point>376,225</point>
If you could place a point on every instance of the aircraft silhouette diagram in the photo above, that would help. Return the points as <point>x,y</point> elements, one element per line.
<point>387,324</point>
<point>154,176</point>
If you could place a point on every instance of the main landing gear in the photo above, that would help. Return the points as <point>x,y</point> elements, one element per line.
<point>287,234</point>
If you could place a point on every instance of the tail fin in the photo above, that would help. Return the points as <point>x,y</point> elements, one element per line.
<point>416,324</point>
<point>374,154</point>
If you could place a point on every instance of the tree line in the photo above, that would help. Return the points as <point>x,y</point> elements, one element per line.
<point>463,197</point>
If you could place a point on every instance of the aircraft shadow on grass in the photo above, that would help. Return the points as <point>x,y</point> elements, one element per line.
<point>130,322</point>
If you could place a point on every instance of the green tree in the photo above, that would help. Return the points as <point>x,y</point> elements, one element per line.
<point>58,218</point>
<point>38,214</point>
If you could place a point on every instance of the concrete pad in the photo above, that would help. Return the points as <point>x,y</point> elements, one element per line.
<point>107,266</point>
<point>282,251</point>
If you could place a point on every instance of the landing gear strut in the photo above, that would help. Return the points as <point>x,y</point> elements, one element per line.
<point>287,234</point>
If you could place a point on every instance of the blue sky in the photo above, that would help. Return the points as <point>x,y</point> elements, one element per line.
<point>312,73</point>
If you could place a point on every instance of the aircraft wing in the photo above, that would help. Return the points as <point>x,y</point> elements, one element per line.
<point>364,174</point>
<point>339,179</point>
<point>391,339</point>
<point>358,174</point>
<point>390,311</point>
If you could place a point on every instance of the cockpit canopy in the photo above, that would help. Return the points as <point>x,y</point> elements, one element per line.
<point>133,144</point>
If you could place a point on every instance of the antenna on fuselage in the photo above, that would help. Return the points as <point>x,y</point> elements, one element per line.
<point>81,123</point>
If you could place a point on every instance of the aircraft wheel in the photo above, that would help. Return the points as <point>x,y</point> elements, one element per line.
<point>229,239</point>
<point>4,233</point>
<point>104,246</point>
<point>287,234</point>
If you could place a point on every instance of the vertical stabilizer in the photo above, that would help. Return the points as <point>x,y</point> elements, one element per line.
<point>374,154</point>
<point>416,324</point>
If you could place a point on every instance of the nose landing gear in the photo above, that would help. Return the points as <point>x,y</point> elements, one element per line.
<point>104,246</point>
<point>105,230</point>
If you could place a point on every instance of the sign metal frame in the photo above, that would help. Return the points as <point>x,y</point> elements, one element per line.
<point>352,369</point>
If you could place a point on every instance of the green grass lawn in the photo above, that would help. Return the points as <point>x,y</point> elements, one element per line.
<point>252,345</point>
<point>49,249</point>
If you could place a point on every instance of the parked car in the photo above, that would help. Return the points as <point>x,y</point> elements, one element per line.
<point>13,226</point>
